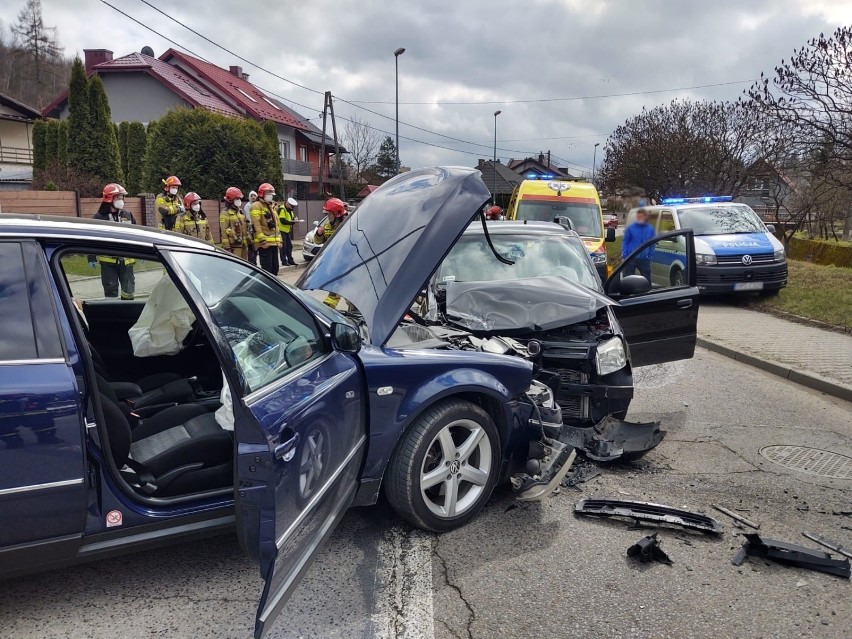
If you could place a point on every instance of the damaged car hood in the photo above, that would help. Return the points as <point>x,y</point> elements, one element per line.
<point>532,304</point>
<point>385,252</point>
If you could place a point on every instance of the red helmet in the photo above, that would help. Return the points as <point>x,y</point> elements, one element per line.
<point>233,193</point>
<point>494,213</point>
<point>336,206</point>
<point>265,188</point>
<point>111,190</point>
<point>170,181</point>
<point>190,198</point>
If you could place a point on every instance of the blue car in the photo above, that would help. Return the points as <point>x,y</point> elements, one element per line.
<point>219,397</point>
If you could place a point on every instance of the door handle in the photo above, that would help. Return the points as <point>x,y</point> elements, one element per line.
<point>287,449</point>
<point>687,303</point>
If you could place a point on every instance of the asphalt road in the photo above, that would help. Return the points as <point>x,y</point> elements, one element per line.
<point>523,570</point>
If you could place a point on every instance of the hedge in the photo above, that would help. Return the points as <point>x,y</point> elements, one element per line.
<point>816,252</point>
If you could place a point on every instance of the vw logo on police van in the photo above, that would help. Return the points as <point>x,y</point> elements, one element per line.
<point>746,259</point>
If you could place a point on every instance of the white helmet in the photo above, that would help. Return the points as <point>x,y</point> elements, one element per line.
<point>292,203</point>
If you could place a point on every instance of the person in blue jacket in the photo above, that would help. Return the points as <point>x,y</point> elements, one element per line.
<point>635,235</point>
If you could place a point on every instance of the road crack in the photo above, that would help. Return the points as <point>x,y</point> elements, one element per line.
<point>455,587</point>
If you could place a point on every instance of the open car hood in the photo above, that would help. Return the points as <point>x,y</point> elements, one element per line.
<point>531,304</point>
<point>385,252</point>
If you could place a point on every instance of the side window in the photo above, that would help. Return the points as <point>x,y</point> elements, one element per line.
<point>103,275</point>
<point>666,222</point>
<point>270,333</point>
<point>16,316</point>
<point>664,263</point>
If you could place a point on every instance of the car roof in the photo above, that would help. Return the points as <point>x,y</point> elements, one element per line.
<point>520,227</point>
<point>58,227</point>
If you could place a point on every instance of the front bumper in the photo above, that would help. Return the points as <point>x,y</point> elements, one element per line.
<point>309,251</point>
<point>612,438</point>
<point>729,279</point>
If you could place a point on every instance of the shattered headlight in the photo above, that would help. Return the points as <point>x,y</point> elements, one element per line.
<point>778,255</point>
<point>705,258</point>
<point>610,356</point>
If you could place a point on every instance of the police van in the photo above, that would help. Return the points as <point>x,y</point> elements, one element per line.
<point>572,203</point>
<point>734,250</point>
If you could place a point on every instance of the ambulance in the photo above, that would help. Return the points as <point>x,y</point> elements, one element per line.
<point>572,203</point>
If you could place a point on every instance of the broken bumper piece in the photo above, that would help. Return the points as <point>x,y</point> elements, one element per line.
<point>612,438</point>
<point>792,555</point>
<point>646,511</point>
<point>547,464</point>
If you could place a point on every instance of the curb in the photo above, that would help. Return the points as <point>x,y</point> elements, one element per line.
<point>811,380</point>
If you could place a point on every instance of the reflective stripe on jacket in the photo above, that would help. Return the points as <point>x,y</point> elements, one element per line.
<point>195,225</point>
<point>232,228</point>
<point>168,206</point>
<point>265,225</point>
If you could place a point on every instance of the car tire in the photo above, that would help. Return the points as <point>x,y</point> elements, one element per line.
<point>458,437</point>
<point>676,278</point>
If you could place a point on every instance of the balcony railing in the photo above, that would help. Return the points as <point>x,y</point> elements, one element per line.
<point>297,167</point>
<point>15,155</point>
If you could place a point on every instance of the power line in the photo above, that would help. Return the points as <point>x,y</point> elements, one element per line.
<point>567,99</point>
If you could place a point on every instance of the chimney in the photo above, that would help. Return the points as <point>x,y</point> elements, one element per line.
<point>96,56</point>
<point>540,157</point>
<point>237,71</point>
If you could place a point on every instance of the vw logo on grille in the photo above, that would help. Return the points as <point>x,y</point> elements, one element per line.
<point>746,259</point>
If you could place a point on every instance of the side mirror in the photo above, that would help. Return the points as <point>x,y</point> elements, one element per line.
<point>771,228</point>
<point>610,234</point>
<point>633,285</point>
<point>345,338</point>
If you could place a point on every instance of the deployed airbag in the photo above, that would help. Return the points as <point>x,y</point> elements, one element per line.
<point>163,324</point>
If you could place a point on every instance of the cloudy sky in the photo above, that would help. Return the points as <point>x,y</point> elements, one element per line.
<point>492,53</point>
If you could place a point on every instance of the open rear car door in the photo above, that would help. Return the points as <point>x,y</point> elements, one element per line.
<point>658,299</point>
<point>298,417</point>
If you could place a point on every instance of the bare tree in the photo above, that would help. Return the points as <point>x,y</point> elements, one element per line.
<point>686,148</point>
<point>40,43</point>
<point>362,142</point>
<point>811,93</point>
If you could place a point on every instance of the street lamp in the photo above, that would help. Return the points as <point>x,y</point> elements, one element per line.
<point>494,162</point>
<point>594,160</point>
<point>396,55</point>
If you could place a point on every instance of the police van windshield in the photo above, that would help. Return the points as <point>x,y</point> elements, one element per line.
<point>719,220</point>
<point>585,218</point>
<point>471,260</point>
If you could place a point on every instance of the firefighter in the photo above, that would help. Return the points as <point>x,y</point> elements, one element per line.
<point>168,203</point>
<point>286,217</point>
<point>494,213</point>
<point>335,210</point>
<point>264,222</point>
<point>115,271</point>
<point>194,221</point>
<point>252,254</point>
<point>232,224</point>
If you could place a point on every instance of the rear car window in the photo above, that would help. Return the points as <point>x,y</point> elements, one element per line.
<point>16,316</point>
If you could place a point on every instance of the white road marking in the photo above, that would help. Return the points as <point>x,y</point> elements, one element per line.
<point>403,585</point>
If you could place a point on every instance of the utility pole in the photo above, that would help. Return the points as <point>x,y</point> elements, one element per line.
<point>494,162</point>
<point>328,111</point>
<point>594,160</point>
<point>396,55</point>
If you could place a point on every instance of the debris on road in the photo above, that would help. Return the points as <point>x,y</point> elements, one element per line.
<point>791,554</point>
<point>648,549</point>
<point>545,470</point>
<point>647,511</point>
<point>736,517</point>
<point>822,541</point>
<point>580,474</point>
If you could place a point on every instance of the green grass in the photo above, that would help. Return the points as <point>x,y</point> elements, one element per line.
<point>613,251</point>
<point>804,236</point>
<point>78,265</point>
<point>821,293</point>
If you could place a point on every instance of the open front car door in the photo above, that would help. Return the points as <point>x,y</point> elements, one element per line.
<point>298,416</point>
<point>658,299</point>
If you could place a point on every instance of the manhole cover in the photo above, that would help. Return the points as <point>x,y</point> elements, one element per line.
<point>810,460</point>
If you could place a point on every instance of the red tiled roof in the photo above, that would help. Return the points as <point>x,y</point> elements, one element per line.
<point>170,76</point>
<point>241,91</point>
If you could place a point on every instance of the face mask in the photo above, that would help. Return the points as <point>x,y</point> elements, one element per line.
<point>173,191</point>
<point>238,203</point>
<point>268,197</point>
<point>118,204</point>
<point>196,207</point>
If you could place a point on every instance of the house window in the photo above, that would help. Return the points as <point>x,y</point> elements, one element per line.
<point>303,153</point>
<point>285,149</point>
<point>271,103</point>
